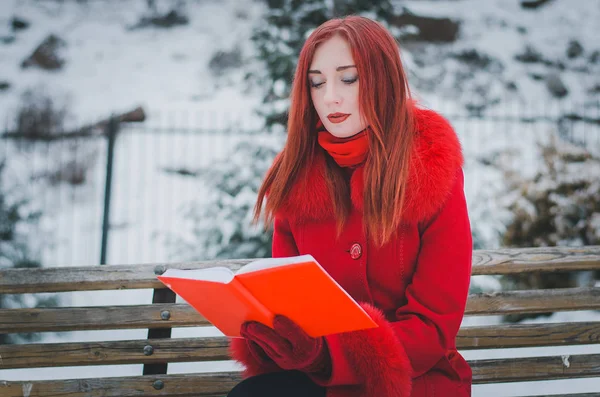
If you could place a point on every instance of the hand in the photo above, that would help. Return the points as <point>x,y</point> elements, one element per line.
<point>288,345</point>
<point>258,353</point>
<point>252,356</point>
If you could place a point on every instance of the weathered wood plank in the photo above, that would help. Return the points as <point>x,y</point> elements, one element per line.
<point>141,351</point>
<point>545,259</point>
<point>504,261</point>
<point>216,348</point>
<point>205,385</point>
<point>528,335</point>
<point>99,318</point>
<point>534,301</point>
<point>536,368</point>
<point>88,278</point>
<point>182,315</point>
<point>484,371</point>
<point>570,395</point>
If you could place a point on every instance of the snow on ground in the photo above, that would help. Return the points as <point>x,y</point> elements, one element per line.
<point>110,68</point>
<point>500,29</point>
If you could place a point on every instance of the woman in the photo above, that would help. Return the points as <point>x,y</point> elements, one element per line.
<point>372,187</point>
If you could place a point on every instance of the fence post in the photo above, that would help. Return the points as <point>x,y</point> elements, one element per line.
<point>112,128</point>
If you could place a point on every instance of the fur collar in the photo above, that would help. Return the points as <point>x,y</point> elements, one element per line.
<point>437,156</point>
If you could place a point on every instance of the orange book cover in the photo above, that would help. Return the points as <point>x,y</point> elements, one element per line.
<point>297,287</point>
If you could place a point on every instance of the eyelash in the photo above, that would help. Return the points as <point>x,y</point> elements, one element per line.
<point>347,81</point>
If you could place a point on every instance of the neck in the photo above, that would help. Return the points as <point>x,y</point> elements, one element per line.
<point>347,152</point>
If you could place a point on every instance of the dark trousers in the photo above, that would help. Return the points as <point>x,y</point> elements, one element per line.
<point>277,384</point>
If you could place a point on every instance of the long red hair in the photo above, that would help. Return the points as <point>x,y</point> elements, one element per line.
<point>385,101</point>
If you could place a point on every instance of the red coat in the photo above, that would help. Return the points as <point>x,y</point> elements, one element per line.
<point>415,286</point>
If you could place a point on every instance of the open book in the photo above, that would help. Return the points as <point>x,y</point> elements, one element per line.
<point>297,287</point>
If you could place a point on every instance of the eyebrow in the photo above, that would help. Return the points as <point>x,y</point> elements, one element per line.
<point>338,69</point>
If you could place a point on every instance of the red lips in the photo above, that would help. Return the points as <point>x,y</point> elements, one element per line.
<point>337,117</point>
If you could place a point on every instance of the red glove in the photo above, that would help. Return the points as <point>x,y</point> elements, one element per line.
<point>288,345</point>
<point>259,354</point>
<point>253,357</point>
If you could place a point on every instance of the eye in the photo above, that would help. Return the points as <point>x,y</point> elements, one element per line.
<point>316,84</point>
<point>350,80</point>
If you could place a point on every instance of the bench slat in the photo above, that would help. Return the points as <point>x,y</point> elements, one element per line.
<point>115,352</point>
<point>89,278</point>
<point>535,368</point>
<point>98,318</point>
<point>528,335</point>
<point>216,348</point>
<point>210,384</point>
<point>534,301</point>
<point>109,277</point>
<point>182,315</point>
<point>484,371</point>
<point>544,259</point>
<point>570,395</point>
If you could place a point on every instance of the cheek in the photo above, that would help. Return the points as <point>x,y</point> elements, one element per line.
<point>354,96</point>
<point>317,101</point>
<point>354,100</point>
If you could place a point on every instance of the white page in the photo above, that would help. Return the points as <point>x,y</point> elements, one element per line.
<point>215,274</point>
<point>268,263</point>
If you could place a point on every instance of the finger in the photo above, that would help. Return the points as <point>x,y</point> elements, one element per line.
<point>290,330</point>
<point>259,330</point>
<point>262,345</point>
<point>266,336</point>
<point>268,351</point>
<point>258,352</point>
<point>250,324</point>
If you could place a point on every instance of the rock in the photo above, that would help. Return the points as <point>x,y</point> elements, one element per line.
<point>574,49</point>
<point>46,54</point>
<point>533,4</point>
<point>7,39</point>
<point>595,57</point>
<point>4,85</point>
<point>595,89</point>
<point>530,55</point>
<point>223,60</point>
<point>522,29</point>
<point>168,20</point>
<point>556,86</point>
<point>172,18</point>
<point>536,76</point>
<point>19,24</point>
<point>512,86</point>
<point>478,60</point>
<point>430,29</point>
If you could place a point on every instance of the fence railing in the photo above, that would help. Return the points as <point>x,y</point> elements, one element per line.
<point>115,195</point>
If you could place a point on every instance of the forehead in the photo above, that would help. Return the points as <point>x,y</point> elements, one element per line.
<point>332,53</point>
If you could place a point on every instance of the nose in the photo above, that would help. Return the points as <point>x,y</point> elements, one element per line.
<point>331,96</point>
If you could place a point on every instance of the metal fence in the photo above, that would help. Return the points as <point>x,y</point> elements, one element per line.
<point>117,195</point>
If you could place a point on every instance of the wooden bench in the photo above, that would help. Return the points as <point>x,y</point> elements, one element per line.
<point>163,314</point>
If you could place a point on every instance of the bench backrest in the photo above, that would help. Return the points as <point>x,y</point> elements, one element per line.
<point>163,314</point>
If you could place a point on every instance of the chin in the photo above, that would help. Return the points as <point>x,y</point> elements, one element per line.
<point>340,132</point>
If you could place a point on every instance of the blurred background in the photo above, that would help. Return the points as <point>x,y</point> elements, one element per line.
<point>138,131</point>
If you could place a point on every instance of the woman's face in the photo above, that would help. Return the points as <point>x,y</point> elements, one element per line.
<point>333,81</point>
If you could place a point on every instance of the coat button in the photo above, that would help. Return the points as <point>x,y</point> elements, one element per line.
<point>355,251</point>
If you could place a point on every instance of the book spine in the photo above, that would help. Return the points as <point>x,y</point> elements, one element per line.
<point>263,315</point>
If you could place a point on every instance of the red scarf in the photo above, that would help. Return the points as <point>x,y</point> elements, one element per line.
<point>347,152</point>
